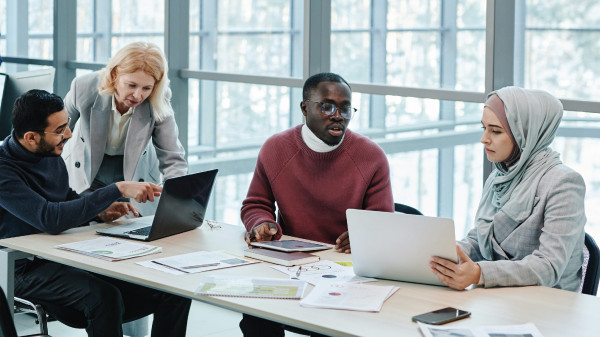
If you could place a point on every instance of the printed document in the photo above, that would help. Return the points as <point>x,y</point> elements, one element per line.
<point>348,296</point>
<point>196,262</point>
<point>251,287</point>
<point>528,330</point>
<point>110,249</point>
<point>323,271</point>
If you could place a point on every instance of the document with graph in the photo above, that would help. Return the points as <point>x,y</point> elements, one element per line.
<point>251,287</point>
<point>110,249</point>
<point>348,296</point>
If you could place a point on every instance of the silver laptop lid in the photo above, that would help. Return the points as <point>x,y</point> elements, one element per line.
<point>398,246</point>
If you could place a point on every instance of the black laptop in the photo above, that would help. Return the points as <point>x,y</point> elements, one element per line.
<point>181,208</point>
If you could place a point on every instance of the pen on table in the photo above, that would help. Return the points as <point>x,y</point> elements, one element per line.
<point>165,265</point>
<point>298,272</point>
<point>201,265</point>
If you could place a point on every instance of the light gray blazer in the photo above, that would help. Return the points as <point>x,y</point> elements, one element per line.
<point>547,248</point>
<point>142,161</point>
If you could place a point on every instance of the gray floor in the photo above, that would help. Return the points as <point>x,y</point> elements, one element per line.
<point>204,320</point>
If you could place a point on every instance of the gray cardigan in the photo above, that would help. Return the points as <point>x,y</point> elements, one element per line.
<point>151,146</point>
<point>547,248</point>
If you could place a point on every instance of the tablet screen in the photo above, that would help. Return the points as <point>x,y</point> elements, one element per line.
<point>291,245</point>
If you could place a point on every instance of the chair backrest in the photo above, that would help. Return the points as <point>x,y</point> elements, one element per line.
<point>401,208</point>
<point>7,325</point>
<point>592,270</point>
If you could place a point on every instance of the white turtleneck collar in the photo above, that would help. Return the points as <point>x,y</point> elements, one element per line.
<point>315,143</point>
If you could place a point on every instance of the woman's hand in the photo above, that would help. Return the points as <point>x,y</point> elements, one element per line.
<point>456,276</point>
<point>140,191</point>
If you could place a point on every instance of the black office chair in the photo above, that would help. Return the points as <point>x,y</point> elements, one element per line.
<point>23,306</point>
<point>74,319</point>
<point>591,268</point>
<point>7,324</point>
<point>401,208</point>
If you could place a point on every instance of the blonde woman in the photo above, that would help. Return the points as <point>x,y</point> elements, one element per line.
<point>123,124</point>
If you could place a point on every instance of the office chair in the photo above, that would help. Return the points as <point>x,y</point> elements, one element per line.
<point>36,310</point>
<point>7,324</point>
<point>591,268</point>
<point>76,320</point>
<point>401,208</point>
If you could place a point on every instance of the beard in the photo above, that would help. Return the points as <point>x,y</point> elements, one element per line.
<point>46,149</point>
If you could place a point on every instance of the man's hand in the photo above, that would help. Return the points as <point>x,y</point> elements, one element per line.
<point>141,192</point>
<point>117,210</point>
<point>342,243</point>
<point>263,232</point>
<point>457,276</point>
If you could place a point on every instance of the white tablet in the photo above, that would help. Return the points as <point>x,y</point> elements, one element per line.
<point>292,245</point>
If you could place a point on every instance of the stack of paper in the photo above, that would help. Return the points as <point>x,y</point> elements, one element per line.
<point>251,287</point>
<point>348,296</point>
<point>110,249</point>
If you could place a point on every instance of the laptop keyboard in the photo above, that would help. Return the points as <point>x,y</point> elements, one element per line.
<point>144,231</point>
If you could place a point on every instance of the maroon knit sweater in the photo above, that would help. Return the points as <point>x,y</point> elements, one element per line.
<point>313,190</point>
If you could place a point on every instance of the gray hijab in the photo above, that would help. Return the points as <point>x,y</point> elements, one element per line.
<point>533,117</point>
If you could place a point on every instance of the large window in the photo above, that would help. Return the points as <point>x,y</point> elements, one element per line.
<point>560,52</point>
<point>419,70</point>
<point>103,27</point>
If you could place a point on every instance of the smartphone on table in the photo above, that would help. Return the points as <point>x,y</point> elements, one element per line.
<point>441,316</point>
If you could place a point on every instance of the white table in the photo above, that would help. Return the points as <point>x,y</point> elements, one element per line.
<point>555,312</point>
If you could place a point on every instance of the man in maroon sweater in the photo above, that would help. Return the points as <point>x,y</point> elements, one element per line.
<point>314,172</point>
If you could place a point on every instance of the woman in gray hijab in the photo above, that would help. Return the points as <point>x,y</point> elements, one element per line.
<point>529,226</point>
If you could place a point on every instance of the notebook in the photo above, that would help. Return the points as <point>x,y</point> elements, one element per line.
<point>398,246</point>
<point>251,287</point>
<point>181,208</point>
<point>282,258</point>
<point>291,245</point>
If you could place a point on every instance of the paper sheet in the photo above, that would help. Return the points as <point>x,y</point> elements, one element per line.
<point>196,262</point>
<point>323,271</point>
<point>348,296</point>
<point>110,249</point>
<point>529,330</point>
<point>251,287</point>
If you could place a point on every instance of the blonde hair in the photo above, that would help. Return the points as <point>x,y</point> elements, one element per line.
<point>149,58</point>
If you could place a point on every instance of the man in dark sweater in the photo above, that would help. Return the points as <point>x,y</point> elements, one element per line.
<point>314,172</point>
<point>35,197</point>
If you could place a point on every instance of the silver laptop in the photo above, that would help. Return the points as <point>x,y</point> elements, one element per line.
<point>181,208</point>
<point>398,246</point>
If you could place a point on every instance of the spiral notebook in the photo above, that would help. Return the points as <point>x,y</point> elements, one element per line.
<point>251,287</point>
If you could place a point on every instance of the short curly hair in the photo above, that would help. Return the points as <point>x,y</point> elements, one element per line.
<point>313,81</point>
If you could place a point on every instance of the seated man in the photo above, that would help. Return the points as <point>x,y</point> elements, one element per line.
<point>35,197</point>
<point>314,172</point>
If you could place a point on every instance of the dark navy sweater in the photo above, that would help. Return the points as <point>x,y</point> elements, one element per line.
<point>35,195</point>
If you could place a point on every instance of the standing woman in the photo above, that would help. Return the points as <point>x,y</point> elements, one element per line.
<point>530,222</point>
<point>123,124</point>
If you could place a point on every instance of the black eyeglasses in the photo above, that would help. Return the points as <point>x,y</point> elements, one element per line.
<point>62,134</point>
<point>329,109</point>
